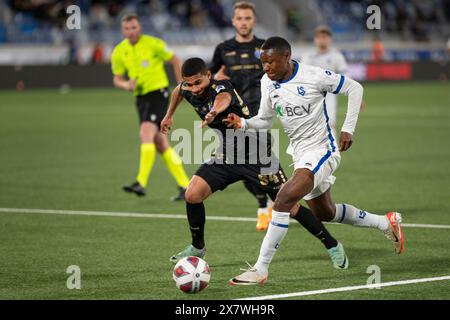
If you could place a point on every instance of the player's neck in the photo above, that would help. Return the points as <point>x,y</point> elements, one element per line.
<point>241,39</point>
<point>134,42</point>
<point>323,50</point>
<point>289,72</point>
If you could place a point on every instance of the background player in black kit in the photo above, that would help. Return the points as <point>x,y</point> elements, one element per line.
<point>213,100</point>
<point>237,60</point>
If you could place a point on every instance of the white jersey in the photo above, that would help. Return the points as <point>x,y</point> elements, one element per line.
<point>299,104</point>
<point>332,60</point>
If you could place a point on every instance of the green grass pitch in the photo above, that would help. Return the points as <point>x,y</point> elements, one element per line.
<point>74,151</point>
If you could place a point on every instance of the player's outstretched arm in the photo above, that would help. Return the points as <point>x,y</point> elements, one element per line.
<point>256,122</point>
<point>263,120</point>
<point>221,103</point>
<point>354,90</point>
<point>175,100</point>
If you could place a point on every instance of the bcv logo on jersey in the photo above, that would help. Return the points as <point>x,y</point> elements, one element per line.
<point>301,91</point>
<point>298,110</point>
<point>291,110</point>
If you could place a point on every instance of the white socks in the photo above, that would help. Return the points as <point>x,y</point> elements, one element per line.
<point>348,214</point>
<point>264,211</point>
<point>278,228</point>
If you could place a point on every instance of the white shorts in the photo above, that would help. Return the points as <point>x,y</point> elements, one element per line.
<point>322,163</point>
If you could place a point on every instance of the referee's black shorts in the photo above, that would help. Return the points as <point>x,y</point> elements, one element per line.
<point>219,176</point>
<point>152,106</point>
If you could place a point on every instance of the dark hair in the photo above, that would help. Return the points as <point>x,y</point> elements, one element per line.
<point>193,66</point>
<point>129,16</point>
<point>278,44</point>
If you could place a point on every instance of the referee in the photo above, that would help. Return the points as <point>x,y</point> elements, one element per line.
<point>141,58</point>
<point>237,60</point>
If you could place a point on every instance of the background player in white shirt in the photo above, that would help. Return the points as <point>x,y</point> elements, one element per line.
<point>295,94</point>
<point>329,58</point>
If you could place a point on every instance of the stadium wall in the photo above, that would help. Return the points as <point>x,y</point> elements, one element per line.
<point>94,76</point>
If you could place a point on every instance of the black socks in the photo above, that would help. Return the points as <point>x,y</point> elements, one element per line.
<point>196,219</point>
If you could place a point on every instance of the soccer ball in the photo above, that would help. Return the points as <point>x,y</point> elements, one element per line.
<point>191,274</point>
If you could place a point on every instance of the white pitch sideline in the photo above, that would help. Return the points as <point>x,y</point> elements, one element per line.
<point>343,289</point>
<point>170,216</point>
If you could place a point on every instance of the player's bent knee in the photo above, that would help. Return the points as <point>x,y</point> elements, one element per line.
<point>284,202</point>
<point>193,196</point>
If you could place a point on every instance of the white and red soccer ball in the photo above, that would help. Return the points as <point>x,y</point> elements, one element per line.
<point>191,274</point>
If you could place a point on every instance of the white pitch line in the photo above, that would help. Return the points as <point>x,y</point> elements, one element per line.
<point>343,289</point>
<point>118,214</point>
<point>420,225</point>
<point>171,216</point>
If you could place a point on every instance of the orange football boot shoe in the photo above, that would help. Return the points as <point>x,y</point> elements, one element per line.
<point>394,232</point>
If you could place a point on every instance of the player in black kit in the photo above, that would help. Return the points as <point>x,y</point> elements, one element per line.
<point>237,60</point>
<point>213,100</point>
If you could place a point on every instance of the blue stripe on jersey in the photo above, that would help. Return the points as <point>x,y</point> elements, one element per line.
<point>341,82</point>
<point>343,213</point>
<point>330,135</point>
<point>293,73</point>
<point>324,158</point>
<point>279,224</point>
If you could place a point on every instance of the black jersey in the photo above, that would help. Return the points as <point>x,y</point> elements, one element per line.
<point>203,104</point>
<point>242,65</point>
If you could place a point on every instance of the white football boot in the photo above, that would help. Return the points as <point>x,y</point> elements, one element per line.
<point>249,277</point>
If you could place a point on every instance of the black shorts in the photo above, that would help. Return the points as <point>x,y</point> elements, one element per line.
<point>219,176</point>
<point>153,106</point>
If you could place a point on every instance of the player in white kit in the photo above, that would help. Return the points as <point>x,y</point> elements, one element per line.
<point>326,57</point>
<point>295,93</point>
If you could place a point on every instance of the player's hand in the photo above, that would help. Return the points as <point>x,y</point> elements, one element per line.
<point>210,116</point>
<point>233,121</point>
<point>345,141</point>
<point>166,125</point>
<point>220,75</point>
<point>131,84</point>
